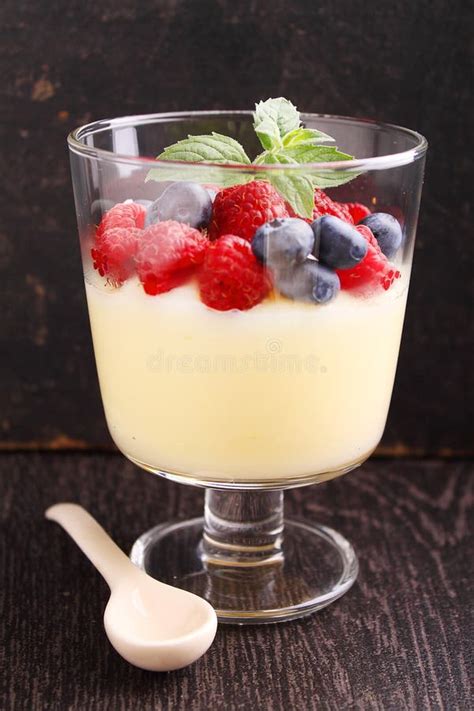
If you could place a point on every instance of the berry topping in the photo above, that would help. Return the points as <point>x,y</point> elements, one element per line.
<point>185,202</point>
<point>387,231</point>
<point>114,253</point>
<point>337,244</point>
<point>283,242</point>
<point>373,271</point>
<point>231,277</point>
<point>168,254</point>
<point>357,211</point>
<point>124,214</point>
<point>241,209</point>
<point>309,281</point>
<point>323,205</point>
<point>285,141</point>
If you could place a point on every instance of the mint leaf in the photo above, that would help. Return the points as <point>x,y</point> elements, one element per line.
<point>306,135</point>
<point>273,119</point>
<point>268,134</point>
<point>310,153</point>
<point>199,174</point>
<point>331,178</point>
<point>295,188</point>
<point>215,148</point>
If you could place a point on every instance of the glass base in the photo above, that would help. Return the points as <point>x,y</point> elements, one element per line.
<point>316,565</point>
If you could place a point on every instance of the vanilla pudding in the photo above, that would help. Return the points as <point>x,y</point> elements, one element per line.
<point>284,391</point>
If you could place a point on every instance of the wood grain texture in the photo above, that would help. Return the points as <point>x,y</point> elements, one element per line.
<point>399,640</point>
<point>64,64</point>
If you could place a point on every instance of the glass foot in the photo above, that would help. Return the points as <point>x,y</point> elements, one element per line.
<point>314,565</point>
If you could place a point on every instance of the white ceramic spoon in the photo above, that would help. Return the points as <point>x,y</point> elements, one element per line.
<point>152,625</point>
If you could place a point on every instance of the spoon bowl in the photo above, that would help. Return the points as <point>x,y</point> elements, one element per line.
<point>158,627</point>
<point>152,625</point>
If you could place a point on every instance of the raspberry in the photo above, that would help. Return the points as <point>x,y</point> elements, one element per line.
<point>373,271</point>
<point>357,211</point>
<point>323,205</point>
<point>231,277</point>
<point>124,214</point>
<point>168,254</point>
<point>241,209</point>
<point>114,253</point>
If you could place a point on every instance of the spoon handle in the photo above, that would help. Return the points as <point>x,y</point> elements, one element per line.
<point>104,554</point>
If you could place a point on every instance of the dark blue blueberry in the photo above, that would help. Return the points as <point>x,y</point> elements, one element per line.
<point>182,202</point>
<point>337,244</point>
<point>387,231</point>
<point>283,242</point>
<point>309,281</point>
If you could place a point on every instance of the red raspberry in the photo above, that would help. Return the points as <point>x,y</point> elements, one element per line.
<point>124,214</point>
<point>231,277</point>
<point>114,253</point>
<point>323,205</point>
<point>168,254</point>
<point>358,211</point>
<point>241,209</point>
<point>373,271</point>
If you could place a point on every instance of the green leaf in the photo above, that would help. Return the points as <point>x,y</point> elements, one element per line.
<point>215,148</point>
<point>306,135</point>
<point>199,174</point>
<point>268,134</point>
<point>310,153</point>
<point>273,119</point>
<point>331,178</point>
<point>295,188</point>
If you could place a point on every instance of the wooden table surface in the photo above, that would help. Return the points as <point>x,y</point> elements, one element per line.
<point>400,639</point>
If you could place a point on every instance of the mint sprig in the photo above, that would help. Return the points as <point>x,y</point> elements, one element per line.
<point>273,120</point>
<point>285,141</point>
<point>306,135</point>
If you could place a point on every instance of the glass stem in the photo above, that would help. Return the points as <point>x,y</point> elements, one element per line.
<point>242,528</point>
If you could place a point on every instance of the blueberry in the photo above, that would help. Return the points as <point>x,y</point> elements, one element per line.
<point>283,242</point>
<point>182,202</point>
<point>387,231</point>
<point>309,281</point>
<point>337,244</point>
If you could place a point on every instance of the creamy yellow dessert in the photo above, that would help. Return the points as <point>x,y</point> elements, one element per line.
<point>284,391</point>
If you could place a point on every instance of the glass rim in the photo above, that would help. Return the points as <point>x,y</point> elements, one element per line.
<point>390,160</point>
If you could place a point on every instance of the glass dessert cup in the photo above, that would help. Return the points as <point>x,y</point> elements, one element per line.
<point>244,402</point>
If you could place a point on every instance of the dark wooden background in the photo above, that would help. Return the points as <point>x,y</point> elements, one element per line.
<point>399,640</point>
<point>63,63</point>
